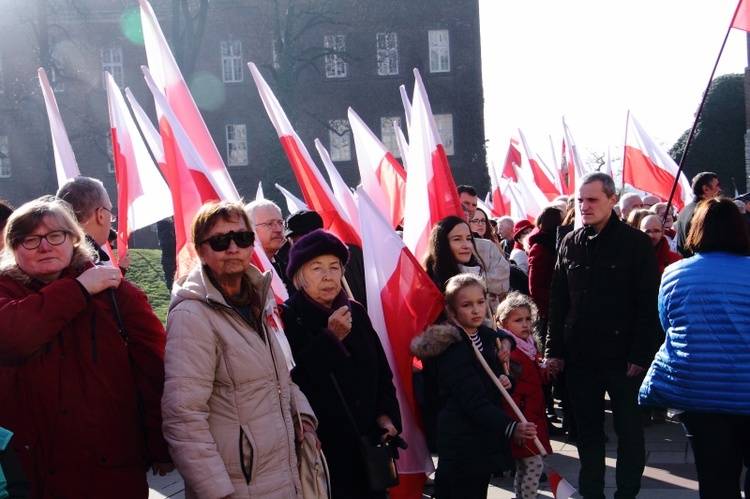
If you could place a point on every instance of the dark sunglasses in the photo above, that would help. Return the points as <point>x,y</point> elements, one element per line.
<point>221,242</point>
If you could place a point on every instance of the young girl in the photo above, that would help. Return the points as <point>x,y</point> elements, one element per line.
<point>472,428</point>
<point>517,314</point>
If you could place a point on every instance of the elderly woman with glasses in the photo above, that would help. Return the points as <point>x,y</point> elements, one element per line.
<point>81,362</point>
<point>340,362</point>
<point>229,404</point>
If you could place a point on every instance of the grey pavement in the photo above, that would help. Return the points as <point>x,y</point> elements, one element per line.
<point>670,470</point>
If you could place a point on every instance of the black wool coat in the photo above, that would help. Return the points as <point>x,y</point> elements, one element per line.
<point>361,370</point>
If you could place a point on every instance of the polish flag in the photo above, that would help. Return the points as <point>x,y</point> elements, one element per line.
<point>608,165</point>
<point>168,79</point>
<point>143,197</point>
<point>561,489</point>
<point>576,168</point>
<point>401,301</point>
<point>512,158</point>
<point>407,104</point>
<point>316,192</point>
<point>259,193</point>
<point>741,19</point>
<point>532,200</point>
<point>647,167</point>
<point>149,131</point>
<point>341,191</point>
<point>65,161</point>
<point>383,178</point>
<point>431,193</point>
<point>499,206</point>
<point>403,144</point>
<point>293,203</point>
<point>541,176</point>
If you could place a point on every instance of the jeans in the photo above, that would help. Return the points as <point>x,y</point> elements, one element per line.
<point>721,443</point>
<point>586,388</point>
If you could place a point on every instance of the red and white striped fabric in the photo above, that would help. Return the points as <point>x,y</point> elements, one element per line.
<point>383,178</point>
<point>401,302</point>
<point>647,167</point>
<point>496,199</point>
<point>741,19</point>
<point>316,192</point>
<point>168,79</point>
<point>541,176</point>
<point>143,196</point>
<point>66,166</point>
<point>430,192</point>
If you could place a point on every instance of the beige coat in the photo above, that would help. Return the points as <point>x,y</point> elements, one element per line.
<point>228,406</point>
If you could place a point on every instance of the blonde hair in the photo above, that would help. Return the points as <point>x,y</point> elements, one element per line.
<point>456,284</point>
<point>513,302</point>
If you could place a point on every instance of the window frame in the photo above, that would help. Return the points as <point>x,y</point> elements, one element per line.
<point>6,169</point>
<point>115,68</point>
<point>388,134</point>
<point>235,144</point>
<point>335,65</point>
<point>447,134</point>
<point>387,53</point>
<point>231,61</point>
<point>340,140</point>
<point>439,50</point>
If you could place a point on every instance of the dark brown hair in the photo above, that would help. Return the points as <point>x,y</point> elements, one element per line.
<point>212,211</point>
<point>439,261</point>
<point>718,225</point>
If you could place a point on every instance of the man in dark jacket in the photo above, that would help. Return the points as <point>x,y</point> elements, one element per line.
<point>604,331</point>
<point>705,185</point>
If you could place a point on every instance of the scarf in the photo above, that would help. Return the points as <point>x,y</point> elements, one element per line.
<point>527,346</point>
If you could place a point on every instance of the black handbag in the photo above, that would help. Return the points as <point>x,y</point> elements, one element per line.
<point>379,459</point>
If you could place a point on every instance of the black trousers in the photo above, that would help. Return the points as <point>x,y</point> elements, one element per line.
<point>586,388</point>
<point>466,488</point>
<point>721,444</point>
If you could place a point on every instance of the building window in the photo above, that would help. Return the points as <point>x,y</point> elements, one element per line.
<point>236,145</point>
<point>110,157</point>
<point>335,64</point>
<point>388,134</point>
<point>112,63</point>
<point>5,170</point>
<point>231,61</point>
<point>340,137</point>
<point>440,51</point>
<point>387,54</point>
<point>444,123</point>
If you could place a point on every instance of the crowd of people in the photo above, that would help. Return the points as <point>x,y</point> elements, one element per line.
<point>632,306</point>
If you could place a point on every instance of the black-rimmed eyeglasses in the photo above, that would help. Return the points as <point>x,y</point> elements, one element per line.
<point>55,238</point>
<point>112,216</point>
<point>220,242</point>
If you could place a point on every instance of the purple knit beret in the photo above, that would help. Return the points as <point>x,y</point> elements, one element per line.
<point>316,243</point>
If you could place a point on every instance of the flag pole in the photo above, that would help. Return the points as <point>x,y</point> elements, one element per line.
<point>624,154</point>
<point>689,140</point>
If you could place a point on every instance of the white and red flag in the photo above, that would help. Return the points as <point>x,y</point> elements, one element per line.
<point>431,193</point>
<point>65,161</point>
<point>316,192</point>
<point>382,177</point>
<point>532,200</point>
<point>401,301</point>
<point>341,191</point>
<point>149,131</point>
<point>259,193</point>
<point>561,489</point>
<point>647,167</point>
<point>168,79</point>
<point>293,203</point>
<point>576,168</point>
<point>143,197</point>
<point>541,175</point>
<point>512,159</point>
<point>499,205</point>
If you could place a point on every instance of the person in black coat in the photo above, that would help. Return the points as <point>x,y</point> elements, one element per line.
<point>332,338</point>
<point>473,430</point>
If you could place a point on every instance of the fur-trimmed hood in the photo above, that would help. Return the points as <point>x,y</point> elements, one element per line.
<point>434,341</point>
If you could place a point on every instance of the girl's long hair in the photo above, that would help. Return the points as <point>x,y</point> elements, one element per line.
<point>439,261</point>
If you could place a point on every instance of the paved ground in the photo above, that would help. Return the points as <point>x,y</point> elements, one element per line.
<point>670,472</point>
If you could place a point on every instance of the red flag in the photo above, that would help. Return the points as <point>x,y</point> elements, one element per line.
<point>168,79</point>
<point>341,191</point>
<point>647,167</point>
<point>741,19</point>
<point>316,192</point>
<point>143,196</point>
<point>401,301</point>
<point>431,193</point>
<point>383,178</point>
<point>512,158</point>
<point>541,178</point>
<point>65,161</point>
<point>576,168</point>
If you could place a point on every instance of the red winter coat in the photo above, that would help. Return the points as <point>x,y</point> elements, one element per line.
<point>664,255</point>
<point>529,397</point>
<point>541,267</point>
<point>67,389</point>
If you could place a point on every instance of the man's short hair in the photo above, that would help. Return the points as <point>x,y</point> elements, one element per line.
<point>466,189</point>
<point>701,180</point>
<point>85,195</point>
<point>607,183</point>
<point>256,205</point>
<point>506,220</point>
